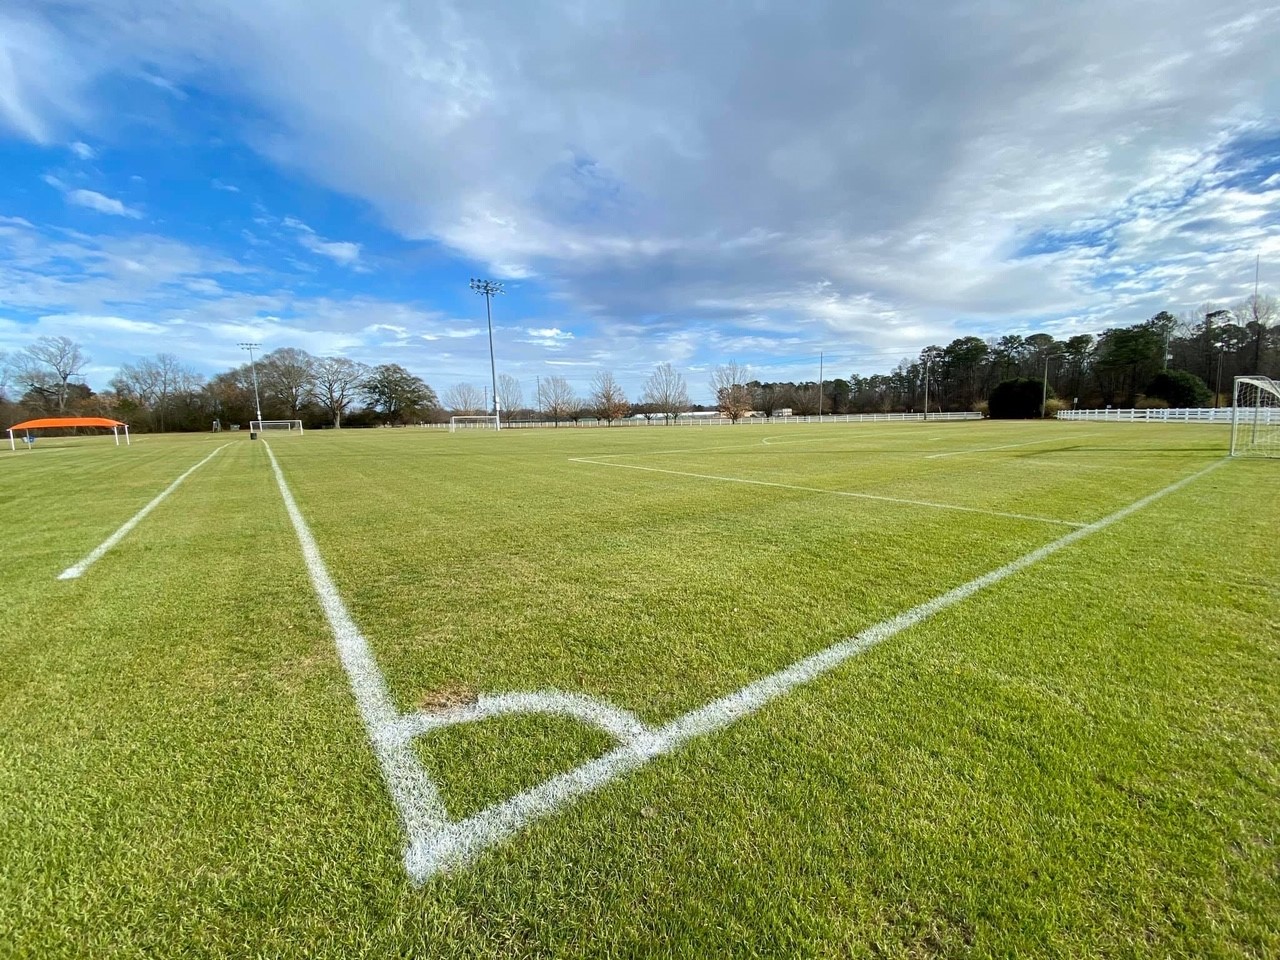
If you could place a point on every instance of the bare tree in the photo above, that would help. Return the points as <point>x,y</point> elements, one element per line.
<point>288,378</point>
<point>733,396</point>
<point>154,383</point>
<point>1258,314</point>
<point>338,383</point>
<point>555,398</point>
<point>464,399</point>
<point>510,396</point>
<point>666,392</point>
<point>5,375</point>
<point>607,398</point>
<point>47,367</point>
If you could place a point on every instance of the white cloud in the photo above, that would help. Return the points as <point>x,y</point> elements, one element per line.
<point>226,187</point>
<point>101,203</point>
<point>83,150</point>
<point>40,89</point>
<point>340,251</point>
<point>91,199</point>
<point>870,173</point>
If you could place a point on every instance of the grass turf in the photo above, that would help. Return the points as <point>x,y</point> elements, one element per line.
<point>1078,761</point>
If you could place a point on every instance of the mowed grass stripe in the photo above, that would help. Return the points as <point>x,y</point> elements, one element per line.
<point>78,569</point>
<point>835,493</point>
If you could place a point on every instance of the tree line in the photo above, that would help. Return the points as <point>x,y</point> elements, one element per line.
<point>1166,360</point>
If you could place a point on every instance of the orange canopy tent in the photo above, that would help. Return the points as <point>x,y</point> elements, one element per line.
<point>47,423</point>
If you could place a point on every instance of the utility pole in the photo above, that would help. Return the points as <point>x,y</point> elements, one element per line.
<point>537,396</point>
<point>1044,396</point>
<point>819,384</point>
<point>490,289</point>
<point>257,404</point>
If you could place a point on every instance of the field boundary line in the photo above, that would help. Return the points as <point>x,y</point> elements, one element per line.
<point>98,552</point>
<point>1005,446</point>
<point>834,493</point>
<point>462,840</point>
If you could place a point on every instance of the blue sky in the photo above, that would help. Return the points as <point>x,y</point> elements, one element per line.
<point>691,183</point>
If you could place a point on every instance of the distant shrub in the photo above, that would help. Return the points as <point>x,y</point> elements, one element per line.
<point>982,408</point>
<point>1152,403</point>
<point>1179,388</point>
<point>1053,405</point>
<point>1016,399</point>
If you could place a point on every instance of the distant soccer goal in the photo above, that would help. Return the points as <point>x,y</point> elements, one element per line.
<point>1255,418</point>
<point>276,428</point>
<point>489,422</point>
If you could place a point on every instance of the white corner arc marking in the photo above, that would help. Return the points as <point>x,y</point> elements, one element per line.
<point>435,843</point>
<point>98,552</point>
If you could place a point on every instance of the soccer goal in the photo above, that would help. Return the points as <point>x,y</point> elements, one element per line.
<point>1255,418</point>
<point>276,428</point>
<point>488,422</point>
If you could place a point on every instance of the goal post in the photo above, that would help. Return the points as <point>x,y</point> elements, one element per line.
<point>276,428</point>
<point>485,422</point>
<point>1255,417</point>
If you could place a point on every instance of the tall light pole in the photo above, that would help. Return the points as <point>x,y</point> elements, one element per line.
<point>490,289</point>
<point>820,384</point>
<point>257,404</point>
<point>927,358</point>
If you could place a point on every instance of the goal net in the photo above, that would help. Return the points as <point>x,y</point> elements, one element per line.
<point>489,422</point>
<point>1255,418</point>
<point>276,428</point>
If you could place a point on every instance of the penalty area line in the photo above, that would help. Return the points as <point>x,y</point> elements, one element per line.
<point>835,493</point>
<point>462,841</point>
<point>1005,446</point>
<point>72,572</point>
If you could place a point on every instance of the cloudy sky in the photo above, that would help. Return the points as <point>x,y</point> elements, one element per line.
<point>691,182</point>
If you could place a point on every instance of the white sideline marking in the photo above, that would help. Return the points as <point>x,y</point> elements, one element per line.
<point>435,843</point>
<point>412,791</point>
<point>1005,446</point>
<point>72,572</point>
<point>774,441</point>
<point>834,493</point>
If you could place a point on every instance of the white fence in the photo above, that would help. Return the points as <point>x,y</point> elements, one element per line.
<point>700,421</point>
<point>1172,415</point>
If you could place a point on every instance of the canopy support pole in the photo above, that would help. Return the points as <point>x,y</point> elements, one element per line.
<point>126,437</point>
<point>12,445</point>
<point>115,432</point>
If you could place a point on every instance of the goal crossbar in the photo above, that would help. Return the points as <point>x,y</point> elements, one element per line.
<point>1255,417</point>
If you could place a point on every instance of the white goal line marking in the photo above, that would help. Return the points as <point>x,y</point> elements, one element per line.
<point>1005,446</point>
<point>71,573</point>
<point>435,843</point>
<point>834,493</point>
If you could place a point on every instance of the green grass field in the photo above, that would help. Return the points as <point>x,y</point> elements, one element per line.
<point>1080,760</point>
